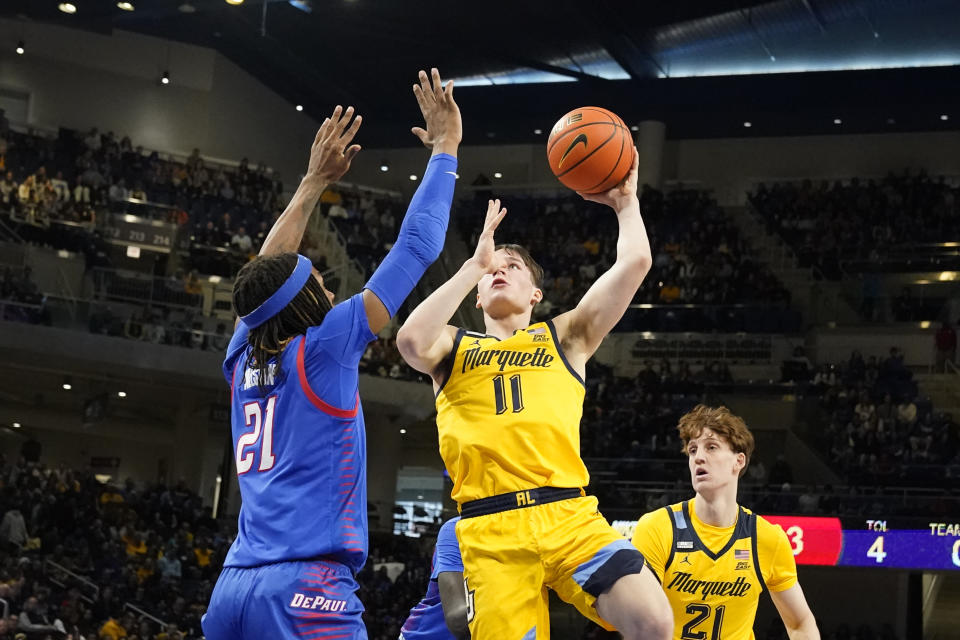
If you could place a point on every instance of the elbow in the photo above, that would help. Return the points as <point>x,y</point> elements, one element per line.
<point>640,264</point>
<point>406,341</point>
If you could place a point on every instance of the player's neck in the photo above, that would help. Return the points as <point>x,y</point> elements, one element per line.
<point>505,326</point>
<point>717,508</point>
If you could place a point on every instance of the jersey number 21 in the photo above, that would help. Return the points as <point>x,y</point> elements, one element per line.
<point>261,419</point>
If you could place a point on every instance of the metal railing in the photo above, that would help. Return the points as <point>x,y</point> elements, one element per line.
<point>143,614</point>
<point>129,286</point>
<point>57,577</point>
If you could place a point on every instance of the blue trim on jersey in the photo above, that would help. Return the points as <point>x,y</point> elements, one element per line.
<point>586,570</point>
<point>530,635</point>
<point>680,521</point>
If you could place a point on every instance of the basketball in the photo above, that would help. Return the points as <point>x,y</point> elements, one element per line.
<point>590,149</point>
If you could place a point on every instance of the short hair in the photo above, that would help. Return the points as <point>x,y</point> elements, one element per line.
<point>731,428</point>
<point>536,271</point>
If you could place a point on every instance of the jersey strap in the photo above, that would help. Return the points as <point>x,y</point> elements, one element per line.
<point>314,399</point>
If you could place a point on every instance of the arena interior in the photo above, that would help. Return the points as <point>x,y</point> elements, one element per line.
<point>800,162</point>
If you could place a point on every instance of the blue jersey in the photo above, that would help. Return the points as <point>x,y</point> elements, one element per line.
<point>426,621</point>
<point>300,448</point>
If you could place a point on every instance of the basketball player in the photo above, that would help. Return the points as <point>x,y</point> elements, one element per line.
<point>509,402</point>
<point>442,614</point>
<point>298,430</point>
<point>713,557</point>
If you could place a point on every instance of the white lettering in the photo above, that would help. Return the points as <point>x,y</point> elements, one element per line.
<point>956,554</point>
<point>297,600</point>
<point>307,602</point>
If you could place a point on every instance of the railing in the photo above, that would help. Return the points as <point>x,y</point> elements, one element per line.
<point>693,346</point>
<point>143,614</point>
<point>57,577</point>
<point>725,318</point>
<point>129,286</point>
<point>849,501</point>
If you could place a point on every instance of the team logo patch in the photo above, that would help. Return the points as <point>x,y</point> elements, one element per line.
<point>684,544</point>
<point>686,559</point>
<point>741,554</point>
<point>742,565</point>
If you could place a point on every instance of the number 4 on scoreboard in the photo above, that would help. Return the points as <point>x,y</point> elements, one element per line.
<point>876,550</point>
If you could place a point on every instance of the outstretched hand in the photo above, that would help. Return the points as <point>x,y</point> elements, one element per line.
<point>486,247</point>
<point>440,113</point>
<point>622,194</point>
<point>330,157</point>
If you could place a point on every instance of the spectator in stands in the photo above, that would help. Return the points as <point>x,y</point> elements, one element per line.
<point>35,623</point>
<point>13,531</point>
<point>9,190</point>
<point>241,242</point>
<point>945,343</point>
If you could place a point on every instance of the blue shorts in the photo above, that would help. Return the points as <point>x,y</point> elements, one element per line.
<point>310,599</point>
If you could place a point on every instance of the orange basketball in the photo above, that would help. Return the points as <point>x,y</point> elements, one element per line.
<point>590,149</point>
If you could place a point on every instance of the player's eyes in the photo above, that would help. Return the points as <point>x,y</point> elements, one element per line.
<point>514,266</point>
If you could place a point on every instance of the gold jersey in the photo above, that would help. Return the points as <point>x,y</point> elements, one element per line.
<point>713,576</point>
<point>508,414</point>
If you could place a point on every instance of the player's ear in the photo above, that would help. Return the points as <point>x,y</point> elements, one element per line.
<point>478,300</point>
<point>537,297</point>
<point>740,463</point>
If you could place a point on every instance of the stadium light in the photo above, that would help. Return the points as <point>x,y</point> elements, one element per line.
<point>497,174</point>
<point>165,78</point>
<point>121,394</point>
<point>67,7</point>
<point>234,2</point>
<point>403,430</point>
<point>537,132</point>
<point>20,48</point>
<point>837,121</point>
<point>67,384</point>
<point>384,167</point>
<point>413,178</point>
<point>299,107</point>
<point>748,124</point>
<point>944,117</point>
<point>15,425</point>
<point>126,6</point>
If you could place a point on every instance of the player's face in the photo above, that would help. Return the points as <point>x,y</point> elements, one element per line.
<point>713,463</point>
<point>507,286</point>
<point>316,274</point>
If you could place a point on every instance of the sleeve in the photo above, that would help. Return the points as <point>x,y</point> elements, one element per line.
<point>237,346</point>
<point>775,549</point>
<point>653,537</point>
<point>448,550</point>
<point>344,334</point>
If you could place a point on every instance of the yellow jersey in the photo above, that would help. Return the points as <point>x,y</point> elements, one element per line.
<point>713,576</point>
<point>508,414</point>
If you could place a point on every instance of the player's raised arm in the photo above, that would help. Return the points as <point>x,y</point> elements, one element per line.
<point>425,338</point>
<point>584,327</point>
<point>795,613</point>
<point>330,158</point>
<point>425,225</point>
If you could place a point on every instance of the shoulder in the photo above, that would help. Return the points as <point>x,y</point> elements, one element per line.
<point>654,524</point>
<point>769,533</point>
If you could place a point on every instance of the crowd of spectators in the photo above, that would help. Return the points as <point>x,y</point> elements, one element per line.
<point>75,552</point>
<point>699,257</point>
<point>860,220</point>
<point>25,302</point>
<point>76,177</point>
<point>875,429</point>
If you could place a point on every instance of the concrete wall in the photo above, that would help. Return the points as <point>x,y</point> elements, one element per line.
<point>79,79</point>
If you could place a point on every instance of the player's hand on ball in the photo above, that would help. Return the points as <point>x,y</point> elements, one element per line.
<point>330,157</point>
<point>440,113</point>
<point>486,247</point>
<point>621,195</point>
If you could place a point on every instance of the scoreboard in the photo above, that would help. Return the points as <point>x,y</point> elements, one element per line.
<point>861,542</point>
<point>933,546</point>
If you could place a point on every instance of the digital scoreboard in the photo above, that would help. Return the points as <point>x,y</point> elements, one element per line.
<point>863,542</point>
<point>872,543</point>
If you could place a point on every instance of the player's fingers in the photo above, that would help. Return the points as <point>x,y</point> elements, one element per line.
<point>492,207</point>
<point>448,90</point>
<point>425,86</point>
<point>420,133</point>
<point>437,84</point>
<point>418,94</point>
<point>351,153</point>
<point>342,123</point>
<point>351,131</point>
<point>321,132</point>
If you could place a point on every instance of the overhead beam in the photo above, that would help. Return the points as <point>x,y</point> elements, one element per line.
<point>815,14</point>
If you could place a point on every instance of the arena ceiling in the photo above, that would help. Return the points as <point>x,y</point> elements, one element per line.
<point>703,66</point>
